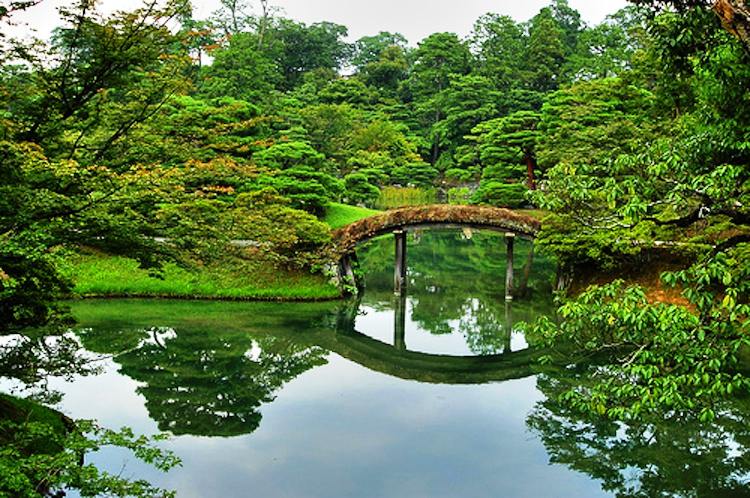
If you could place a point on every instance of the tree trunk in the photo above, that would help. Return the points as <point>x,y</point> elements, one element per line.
<point>436,140</point>
<point>435,152</point>
<point>530,167</point>
<point>735,16</point>
<point>263,22</point>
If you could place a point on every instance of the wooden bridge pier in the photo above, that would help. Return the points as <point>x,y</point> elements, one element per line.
<point>346,276</point>
<point>399,273</point>
<point>509,240</point>
<point>399,322</point>
<point>508,332</point>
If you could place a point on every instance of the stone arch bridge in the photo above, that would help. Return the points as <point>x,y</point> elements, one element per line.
<point>400,221</point>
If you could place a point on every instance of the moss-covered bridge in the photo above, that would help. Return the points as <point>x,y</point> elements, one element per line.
<point>400,221</point>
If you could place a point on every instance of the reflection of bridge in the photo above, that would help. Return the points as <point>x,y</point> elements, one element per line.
<point>395,360</point>
<point>434,368</point>
<point>400,221</point>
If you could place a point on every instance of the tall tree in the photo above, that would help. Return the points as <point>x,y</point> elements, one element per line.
<point>233,17</point>
<point>608,49</point>
<point>592,122</point>
<point>101,77</point>
<point>498,44</point>
<point>266,11</point>
<point>436,60</point>
<point>569,20</point>
<point>511,137</point>
<point>468,101</point>
<point>297,48</point>
<point>388,71</point>
<point>545,52</point>
<point>690,186</point>
<point>369,49</point>
<point>241,71</point>
<point>734,14</point>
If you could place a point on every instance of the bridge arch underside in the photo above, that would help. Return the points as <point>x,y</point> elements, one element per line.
<point>416,227</point>
<point>424,367</point>
<point>435,368</point>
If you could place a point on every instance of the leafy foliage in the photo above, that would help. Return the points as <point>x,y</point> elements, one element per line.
<point>667,360</point>
<point>29,474</point>
<point>644,458</point>
<point>686,190</point>
<point>591,122</point>
<point>239,70</point>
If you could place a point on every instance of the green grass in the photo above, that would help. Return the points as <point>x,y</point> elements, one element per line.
<point>398,197</point>
<point>339,215</point>
<point>101,275</point>
<point>534,213</point>
<point>113,276</point>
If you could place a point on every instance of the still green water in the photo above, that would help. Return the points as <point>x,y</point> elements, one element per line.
<point>436,394</point>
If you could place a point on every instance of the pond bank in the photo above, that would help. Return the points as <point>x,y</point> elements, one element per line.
<point>645,272</point>
<point>97,275</point>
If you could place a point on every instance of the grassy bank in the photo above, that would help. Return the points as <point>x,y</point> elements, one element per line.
<point>101,275</point>
<point>339,215</point>
<point>398,197</point>
<point>534,213</point>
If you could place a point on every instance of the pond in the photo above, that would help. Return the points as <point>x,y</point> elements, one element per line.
<point>438,393</point>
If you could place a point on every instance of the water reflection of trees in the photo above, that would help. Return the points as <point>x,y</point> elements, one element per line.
<point>206,382</point>
<point>457,284</point>
<point>656,458</point>
<point>212,369</point>
<point>29,359</point>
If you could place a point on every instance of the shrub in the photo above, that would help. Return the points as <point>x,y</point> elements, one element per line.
<point>500,194</point>
<point>308,189</point>
<point>289,236</point>
<point>414,174</point>
<point>459,175</point>
<point>459,195</point>
<point>359,190</point>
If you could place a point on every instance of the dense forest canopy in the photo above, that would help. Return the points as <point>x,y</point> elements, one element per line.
<point>126,129</point>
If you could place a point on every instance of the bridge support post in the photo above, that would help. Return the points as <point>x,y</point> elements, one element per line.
<point>399,323</point>
<point>509,240</point>
<point>399,273</point>
<point>508,332</point>
<point>346,272</point>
